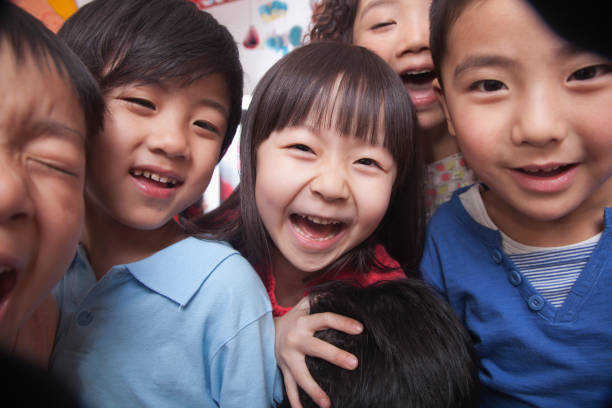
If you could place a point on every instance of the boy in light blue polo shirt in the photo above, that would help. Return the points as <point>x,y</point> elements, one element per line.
<point>150,316</point>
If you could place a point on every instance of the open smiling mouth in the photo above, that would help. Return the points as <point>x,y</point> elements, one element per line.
<point>8,278</point>
<point>418,79</point>
<point>154,178</point>
<point>546,172</point>
<point>315,228</point>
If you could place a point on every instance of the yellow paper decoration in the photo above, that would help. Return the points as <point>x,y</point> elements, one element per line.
<point>65,8</point>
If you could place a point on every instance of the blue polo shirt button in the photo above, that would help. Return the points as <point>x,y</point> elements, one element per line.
<point>536,302</point>
<point>497,256</point>
<point>84,318</point>
<point>515,277</point>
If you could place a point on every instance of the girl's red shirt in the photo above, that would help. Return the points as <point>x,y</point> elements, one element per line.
<point>360,279</point>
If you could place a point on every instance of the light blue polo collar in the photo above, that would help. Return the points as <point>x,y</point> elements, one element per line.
<point>178,271</point>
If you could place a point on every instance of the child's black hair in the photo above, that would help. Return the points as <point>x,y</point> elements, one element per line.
<point>442,17</point>
<point>413,352</point>
<point>27,37</point>
<point>150,41</point>
<point>354,92</point>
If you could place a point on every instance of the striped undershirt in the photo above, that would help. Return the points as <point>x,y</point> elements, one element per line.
<point>553,272</point>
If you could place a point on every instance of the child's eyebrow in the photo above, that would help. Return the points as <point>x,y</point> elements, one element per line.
<point>50,128</point>
<point>481,61</point>
<point>211,103</point>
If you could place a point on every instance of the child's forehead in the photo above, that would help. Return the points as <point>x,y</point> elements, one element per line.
<point>498,32</point>
<point>35,94</point>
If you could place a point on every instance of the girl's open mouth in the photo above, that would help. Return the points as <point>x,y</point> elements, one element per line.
<point>418,79</point>
<point>8,278</point>
<point>419,86</point>
<point>316,228</point>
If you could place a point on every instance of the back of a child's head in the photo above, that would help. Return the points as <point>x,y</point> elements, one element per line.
<point>413,351</point>
<point>152,41</point>
<point>27,38</point>
<point>352,91</point>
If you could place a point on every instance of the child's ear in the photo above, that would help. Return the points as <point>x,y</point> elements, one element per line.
<point>440,93</point>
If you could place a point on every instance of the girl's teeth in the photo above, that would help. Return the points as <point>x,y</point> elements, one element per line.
<point>321,221</point>
<point>5,269</point>
<point>138,172</point>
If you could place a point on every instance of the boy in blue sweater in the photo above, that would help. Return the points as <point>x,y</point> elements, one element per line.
<point>523,257</point>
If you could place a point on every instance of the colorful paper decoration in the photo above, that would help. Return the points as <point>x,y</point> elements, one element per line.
<point>272,10</point>
<point>252,38</point>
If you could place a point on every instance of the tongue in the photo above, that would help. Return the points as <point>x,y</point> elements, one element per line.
<point>7,282</point>
<point>315,230</point>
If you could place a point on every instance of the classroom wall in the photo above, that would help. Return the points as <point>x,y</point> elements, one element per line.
<point>277,25</point>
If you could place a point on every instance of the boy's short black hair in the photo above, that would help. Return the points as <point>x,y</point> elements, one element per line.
<point>27,37</point>
<point>442,16</point>
<point>413,352</point>
<point>584,24</point>
<point>149,41</point>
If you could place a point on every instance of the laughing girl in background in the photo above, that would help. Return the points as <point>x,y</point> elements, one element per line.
<point>398,31</point>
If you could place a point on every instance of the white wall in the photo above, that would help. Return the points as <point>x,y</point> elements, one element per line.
<point>238,16</point>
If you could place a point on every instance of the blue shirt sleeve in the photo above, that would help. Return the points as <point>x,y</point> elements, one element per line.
<point>243,368</point>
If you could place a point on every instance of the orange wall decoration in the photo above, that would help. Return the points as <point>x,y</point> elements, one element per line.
<point>52,13</point>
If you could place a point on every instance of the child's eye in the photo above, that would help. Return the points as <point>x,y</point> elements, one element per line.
<point>382,25</point>
<point>590,72</point>
<point>141,102</point>
<point>368,162</point>
<point>301,147</point>
<point>206,125</point>
<point>54,166</point>
<point>487,85</point>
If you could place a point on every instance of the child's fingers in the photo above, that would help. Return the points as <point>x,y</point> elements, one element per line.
<point>328,320</point>
<point>307,384</point>
<point>291,389</point>
<point>330,353</point>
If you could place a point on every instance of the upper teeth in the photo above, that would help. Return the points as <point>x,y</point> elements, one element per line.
<point>155,177</point>
<point>318,220</point>
<point>4,269</point>
<point>423,71</point>
<point>539,170</point>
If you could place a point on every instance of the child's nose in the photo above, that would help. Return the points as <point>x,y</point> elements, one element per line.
<point>539,120</point>
<point>15,200</point>
<point>330,184</point>
<point>171,140</point>
<point>413,37</point>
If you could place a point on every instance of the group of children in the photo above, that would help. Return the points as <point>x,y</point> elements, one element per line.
<point>112,130</point>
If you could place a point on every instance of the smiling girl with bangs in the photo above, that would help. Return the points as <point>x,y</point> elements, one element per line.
<point>331,179</point>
